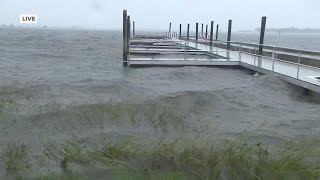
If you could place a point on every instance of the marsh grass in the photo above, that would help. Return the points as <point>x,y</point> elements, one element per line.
<point>159,117</point>
<point>72,152</point>
<point>152,116</point>
<point>64,176</point>
<point>150,175</point>
<point>166,158</point>
<point>178,159</point>
<point>16,158</point>
<point>7,101</point>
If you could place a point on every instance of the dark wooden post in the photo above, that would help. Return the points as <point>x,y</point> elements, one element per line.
<point>129,31</point>
<point>197,31</point>
<point>170,30</point>
<point>211,32</point>
<point>202,30</point>
<point>263,29</point>
<point>229,34</point>
<point>217,32</point>
<point>129,36</point>
<point>188,32</point>
<point>125,37</point>
<point>206,31</point>
<point>133,28</point>
<point>180,31</point>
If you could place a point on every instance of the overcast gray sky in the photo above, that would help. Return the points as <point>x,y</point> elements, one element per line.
<point>150,14</point>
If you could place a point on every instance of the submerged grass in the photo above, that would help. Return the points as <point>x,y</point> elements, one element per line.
<point>6,101</point>
<point>159,117</point>
<point>152,116</point>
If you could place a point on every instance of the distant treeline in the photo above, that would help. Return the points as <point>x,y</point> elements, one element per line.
<point>290,30</point>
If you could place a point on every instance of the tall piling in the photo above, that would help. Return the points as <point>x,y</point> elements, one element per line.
<point>217,32</point>
<point>211,32</point>
<point>125,37</point>
<point>129,36</point>
<point>170,30</point>
<point>262,32</point>
<point>206,31</point>
<point>129,31</point>
<point>133,28</point>
<point>188,32</point>
<point>229,34</point>
<point>197,31</point>
<point>180,31</point>
<point>202,30</point>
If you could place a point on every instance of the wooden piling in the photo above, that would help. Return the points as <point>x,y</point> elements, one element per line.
<point>211,32</point>
<point>229,34</point>
<point>170,30</point>
<point>129,36</point>
<point>125,37</point>
<point>262,32</point>
<point>129,30</point>
<point>197,31</point>
<point>202,30</point>
<point>188,32</point>
<point>133,28</point>
<point>206,31</point>
<point>180,31</point>
<point>217,32</point>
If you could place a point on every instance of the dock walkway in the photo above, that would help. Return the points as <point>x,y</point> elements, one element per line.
<point>176,52</point>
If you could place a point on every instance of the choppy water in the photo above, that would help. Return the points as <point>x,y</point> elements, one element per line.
<point>48,76</point>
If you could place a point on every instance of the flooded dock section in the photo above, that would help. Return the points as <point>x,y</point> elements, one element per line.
<point>295,66</point>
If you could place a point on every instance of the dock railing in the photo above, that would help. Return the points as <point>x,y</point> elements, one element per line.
<point>253,51</point>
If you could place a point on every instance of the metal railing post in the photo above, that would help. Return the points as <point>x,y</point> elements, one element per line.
<point>157,50</point>
<point>185,51</point>
<point>299,63</point>
<point>273,57</point>
<point>240,50</point>
<point>212,48</point>
<point>129,52</point>
<point>255,56</point>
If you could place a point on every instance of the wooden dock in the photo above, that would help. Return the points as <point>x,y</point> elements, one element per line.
<point>299,67</point>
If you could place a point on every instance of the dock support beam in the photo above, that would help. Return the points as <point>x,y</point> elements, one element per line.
<point>211,33</point>
<point>133,28</point>
<point>125,38</point>
<point>217,32</point>
<point>229,34</point>
<point>180,31</point>
<point>197,31</point>
<point>188,32</point>
<point>263,29</point>
<point>206,31</point>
